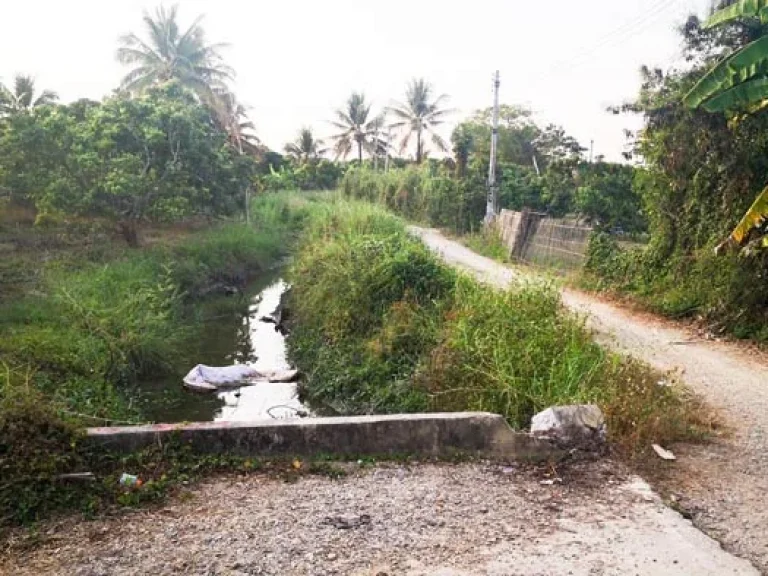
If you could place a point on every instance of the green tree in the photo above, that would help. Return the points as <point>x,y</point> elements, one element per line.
<point>231,117</point>
<point>521,141</point>
<point>23,97</point>
<point>420,115</point>
<point>606,196</point>
<point>463,140</point>
<point>738,86</point>
<point>305,147</point>
<point>168,53</point>
<point>156,157</point>
<point>358,128</point>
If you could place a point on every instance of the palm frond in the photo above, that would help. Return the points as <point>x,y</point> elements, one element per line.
<point>439,142</point>
<point>46,97</point>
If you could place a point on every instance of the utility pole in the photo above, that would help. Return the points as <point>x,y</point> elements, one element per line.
<point>490,208</point>
<point>247,186</point>
<point>591,150</point>
<point>376,148</point>
<point>386,159</point>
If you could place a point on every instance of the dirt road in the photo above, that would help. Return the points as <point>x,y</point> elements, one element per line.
<point>723,484</point>
<point>426,520</point>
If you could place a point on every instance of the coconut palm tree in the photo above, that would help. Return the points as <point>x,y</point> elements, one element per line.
<point>23,96</point>
<point>357,127</point>
<point>171,54</point>
<point>231,117</point>
<point>306,147</point>
<point>419,115</point>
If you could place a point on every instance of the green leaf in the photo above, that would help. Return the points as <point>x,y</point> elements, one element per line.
<point>739,10</point>
<point>740,97</point>
<point>750,61</point>
<point>754,217</point>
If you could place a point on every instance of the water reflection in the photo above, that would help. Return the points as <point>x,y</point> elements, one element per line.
<point>230,335</point>
<point>264,400</point>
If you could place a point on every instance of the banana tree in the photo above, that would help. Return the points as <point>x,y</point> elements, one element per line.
<point>738,85</point>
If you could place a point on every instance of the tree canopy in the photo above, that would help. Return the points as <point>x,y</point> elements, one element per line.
<point>359,128</point>
<point>419,116</point>
<point>155,157</point>
<point>169,53</point>
<point>23,96</point>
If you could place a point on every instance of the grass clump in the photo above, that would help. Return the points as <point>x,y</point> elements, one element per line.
<point>381,325</point>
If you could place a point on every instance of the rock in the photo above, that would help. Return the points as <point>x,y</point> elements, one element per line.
<point>578,426</point>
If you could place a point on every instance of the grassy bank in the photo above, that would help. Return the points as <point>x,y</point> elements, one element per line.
<point>711,289</point>
<point>382,326</point>
<point>86,321</point>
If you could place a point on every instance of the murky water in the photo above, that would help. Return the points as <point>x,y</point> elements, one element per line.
<point>231,336</point>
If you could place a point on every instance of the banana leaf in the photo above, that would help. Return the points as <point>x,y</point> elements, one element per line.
<point>747,63</point>
<point>739,10</point>
<point>742,97</point>
<point>754,217</point>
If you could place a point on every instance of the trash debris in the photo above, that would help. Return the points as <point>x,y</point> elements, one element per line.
<point>288,412</point>
<point>85,476</point>
<point>346,523</point>
<point>551,481</point>
<point>129,480</point>
<point>212,378</point>
<point>662,453</point>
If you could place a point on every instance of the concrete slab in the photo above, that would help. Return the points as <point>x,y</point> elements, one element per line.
<point>476,433</point>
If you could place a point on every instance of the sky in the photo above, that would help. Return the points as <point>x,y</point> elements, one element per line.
<point>298,60</point>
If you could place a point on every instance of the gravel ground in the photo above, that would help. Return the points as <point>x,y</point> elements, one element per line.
<point>722,484</point>
<point>427,520</point>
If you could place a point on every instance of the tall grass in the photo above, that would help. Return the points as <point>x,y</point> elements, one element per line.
<point>424,194</point>
<point>380,325</point>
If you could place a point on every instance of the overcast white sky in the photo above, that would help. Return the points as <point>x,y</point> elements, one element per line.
<point>298,60</point>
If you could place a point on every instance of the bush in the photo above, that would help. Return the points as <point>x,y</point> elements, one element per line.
<point>701,284</point>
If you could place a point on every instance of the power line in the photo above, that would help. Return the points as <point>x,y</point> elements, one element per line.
<point>623,33</point>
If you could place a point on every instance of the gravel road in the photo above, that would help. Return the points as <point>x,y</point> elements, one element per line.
<point>426,520</point>
<point>723,484</point>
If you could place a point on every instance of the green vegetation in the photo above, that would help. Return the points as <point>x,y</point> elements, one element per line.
<point>738,85</point>
<point>420,116</point>
<point>167,161</point>
<point>431,193</point>
<point>380,325</point>
<point>91,322</point>
<point>359,129</point>
<point>701,172</point>
<point>89,326</point>
<point>169,53</point>
<point>23,96</point>
<point>153,158</point>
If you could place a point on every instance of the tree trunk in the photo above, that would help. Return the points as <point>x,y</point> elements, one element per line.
<point>418,147</point>
<point>129,233</point>
<point>359,153</point>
